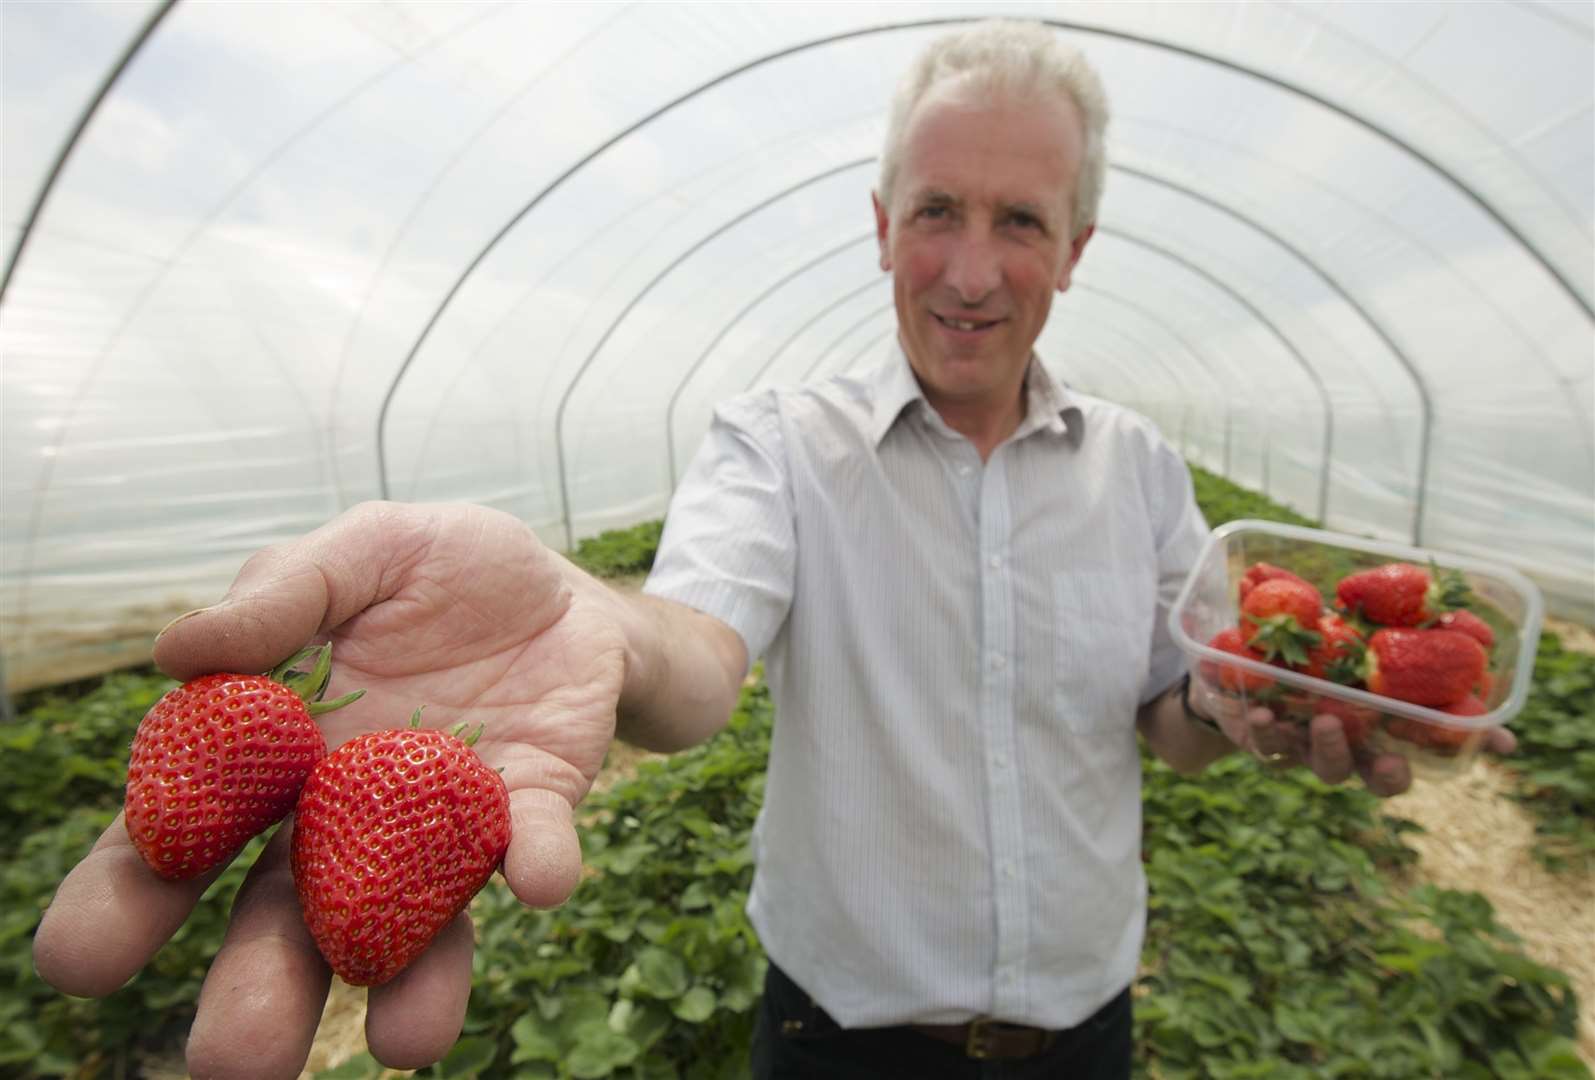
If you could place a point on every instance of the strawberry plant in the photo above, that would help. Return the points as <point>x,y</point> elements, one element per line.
<point>1555,759</point>
<point>1273,948</point>
<point>620,552</point>
<point>66,755</point>
<point>651,968</point>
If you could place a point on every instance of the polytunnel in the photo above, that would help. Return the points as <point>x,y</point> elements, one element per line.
<point>265,261</point>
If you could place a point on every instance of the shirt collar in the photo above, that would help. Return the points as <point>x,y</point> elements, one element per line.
<point>895,389</point>
<point>1048,405</point>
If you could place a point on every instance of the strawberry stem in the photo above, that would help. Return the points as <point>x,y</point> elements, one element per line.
<point>1281,636</point>
<point>321,708</point>
<point>285,673</point>
<point>310,685</point>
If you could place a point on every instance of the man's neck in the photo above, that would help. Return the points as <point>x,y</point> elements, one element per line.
<point>986,423</point>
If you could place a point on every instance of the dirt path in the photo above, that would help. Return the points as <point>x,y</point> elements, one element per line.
<point>1478,839</point>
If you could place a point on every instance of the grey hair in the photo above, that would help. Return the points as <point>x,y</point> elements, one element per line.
<point>1011,58</point>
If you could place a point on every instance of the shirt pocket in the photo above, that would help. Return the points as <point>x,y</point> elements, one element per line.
<point>1102,642</point>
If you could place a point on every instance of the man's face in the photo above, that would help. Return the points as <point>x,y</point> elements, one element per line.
<point>979,235</point>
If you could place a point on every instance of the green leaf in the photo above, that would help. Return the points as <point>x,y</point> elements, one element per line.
<point>535,1072</point>
<point>600,1053</point>
<point>536,1039</point>
<point>697,895</point>
<point>695,1006</point>
<point>648,1023</point>
<point>662,974</point>
<point>469,1057</point>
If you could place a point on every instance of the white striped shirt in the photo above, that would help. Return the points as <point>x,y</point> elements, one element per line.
<point>956,650</point>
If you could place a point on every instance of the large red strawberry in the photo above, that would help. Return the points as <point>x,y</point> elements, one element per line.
<point>395,831</point>
<point>1464,621</point>
<point>1337,655</point>
<point>1426,667</point>
<point>221,759</point>
<point>1400,594</point>
<point>1281,616</point>
<point>1230,676</point>
<point>1259,572</point>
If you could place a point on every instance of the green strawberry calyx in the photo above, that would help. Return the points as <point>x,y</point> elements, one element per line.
<point>1352,664</point>
<point>1448,591</point>
<point>458,730</point>
<point>1281,636</point>
<point>310,685</point>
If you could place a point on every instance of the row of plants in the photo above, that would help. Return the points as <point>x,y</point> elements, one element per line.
<point>1273,948</point>
<point>66,764</point>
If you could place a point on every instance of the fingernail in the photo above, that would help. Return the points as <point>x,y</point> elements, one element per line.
<point>183,616</point>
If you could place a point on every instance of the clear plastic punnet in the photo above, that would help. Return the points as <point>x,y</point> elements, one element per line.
<point>1438,742</point>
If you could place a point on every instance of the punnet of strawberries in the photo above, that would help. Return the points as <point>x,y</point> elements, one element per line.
<point>1399,630</point>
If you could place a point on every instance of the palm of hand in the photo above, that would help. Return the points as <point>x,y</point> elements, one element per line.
<point>467,617</point>
<point>536,667</point>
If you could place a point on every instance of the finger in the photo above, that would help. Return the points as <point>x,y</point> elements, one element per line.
<point>1329,756</point>
<point>1500,741</point>
<point>286,594</point>
<point>265,991</point>
<point>1267,737</point>
<point>110,915</point>
<point>1387,775</point>
<point>415,1018</point>
<point>544,860</point>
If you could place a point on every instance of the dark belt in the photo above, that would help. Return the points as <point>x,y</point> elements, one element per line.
<point>991,1039</point>
<point>983,1038</point>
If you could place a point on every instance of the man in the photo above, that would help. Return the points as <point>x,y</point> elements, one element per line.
<point>958,572</point>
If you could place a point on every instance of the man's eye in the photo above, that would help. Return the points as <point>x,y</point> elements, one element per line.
<point>932,212</point>
<point>1024,220</point>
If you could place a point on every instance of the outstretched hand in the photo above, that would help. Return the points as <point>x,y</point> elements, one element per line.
<point>456,608</point>
<point>1322,746</point>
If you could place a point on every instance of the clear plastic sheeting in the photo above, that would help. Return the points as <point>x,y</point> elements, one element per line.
<point>300,256</point>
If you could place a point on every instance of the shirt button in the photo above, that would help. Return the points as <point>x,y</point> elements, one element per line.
<point>999,662</point>
<point>964,470</point>
<point>995,562</point>
<point>1008,870</point>
<point>1000,760</point>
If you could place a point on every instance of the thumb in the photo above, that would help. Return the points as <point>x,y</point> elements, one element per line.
<point>544,860</point>
<point>270,611</point>
<point>287,594</point>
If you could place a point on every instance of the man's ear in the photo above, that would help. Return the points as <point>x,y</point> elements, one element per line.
<point>882,230</point>
<point>1076,249</point>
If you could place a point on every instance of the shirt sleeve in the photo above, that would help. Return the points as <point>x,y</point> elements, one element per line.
<point>1181,533</point>
<point>728,547</point>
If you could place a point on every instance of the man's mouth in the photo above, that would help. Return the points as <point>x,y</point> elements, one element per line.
<point>964,324</point>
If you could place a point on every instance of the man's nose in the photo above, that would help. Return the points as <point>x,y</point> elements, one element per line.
<point>973,267</point>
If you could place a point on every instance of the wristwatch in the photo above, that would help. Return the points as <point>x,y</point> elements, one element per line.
<point>1191,714</point>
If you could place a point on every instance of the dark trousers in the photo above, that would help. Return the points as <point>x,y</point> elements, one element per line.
<point>795,1040</point>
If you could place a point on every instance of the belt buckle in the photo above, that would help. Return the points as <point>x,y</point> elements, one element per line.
<point>975,1044</point>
